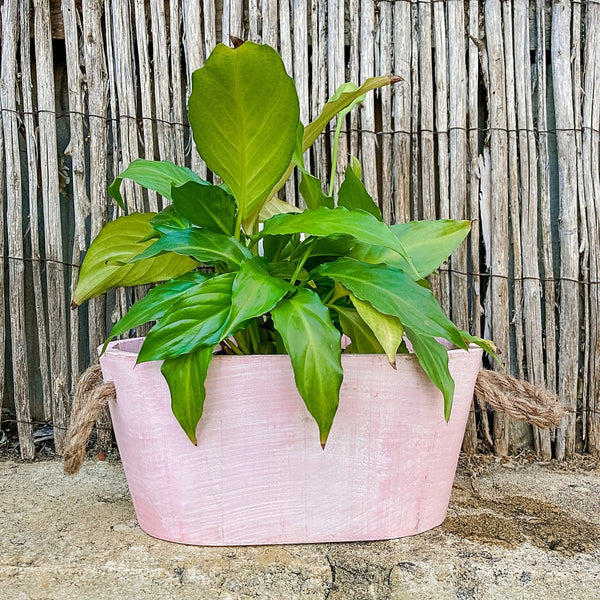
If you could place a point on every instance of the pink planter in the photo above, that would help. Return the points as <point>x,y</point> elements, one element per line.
<point>259,475</point>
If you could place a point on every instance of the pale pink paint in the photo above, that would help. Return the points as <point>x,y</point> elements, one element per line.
<point>259,475</point>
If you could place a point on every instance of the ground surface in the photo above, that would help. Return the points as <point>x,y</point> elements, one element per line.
<point>514,531</point>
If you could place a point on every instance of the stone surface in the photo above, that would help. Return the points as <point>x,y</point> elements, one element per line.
<point>514,531</point>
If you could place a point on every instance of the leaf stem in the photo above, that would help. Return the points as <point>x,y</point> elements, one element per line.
<point>302,261</point>
<point>231,347</point>
<point>336,140</point>
<point>238,225</point>
<point>241,343</point>
<point>254,336</point>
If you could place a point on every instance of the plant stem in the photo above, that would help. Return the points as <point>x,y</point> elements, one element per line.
<point>336,140</point>
<point>329,296</point>
<point>254,336</point>
<point>241,343</point>
<point>238,225</point>
<point>231,347</point>
<point>301,262</point>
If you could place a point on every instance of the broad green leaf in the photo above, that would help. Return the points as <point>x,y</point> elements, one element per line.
<point>185,376</point>
<point>208,206</point>
<point>428,243</point>
<point>169,219</point>
<point>312,192</point>
<point>285,270</point>
<point>333,246</point>
<point>277,247</point>
<point>275,206</point>
<point>363,339</point>
<point>395,293</point>
<point>347,88</point>
<point>354,196</point>
<point>487,345</point>
<point>297,157</point>
<point>120,240</point>
<point>154,175</point>
<point>254,293</point>
<point>433,357</point>
<point>313,344</point>
<point>244,113</point>
<point>345,96</point>
<point>355,166</point>
<point>387,329</point>
<point>203,245</point>
<point>156,303</point>
<point>338,221</point>
<point>338,102</point>
<point>197,319</point>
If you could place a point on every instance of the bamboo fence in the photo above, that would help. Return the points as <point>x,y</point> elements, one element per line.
<point>497,120</point>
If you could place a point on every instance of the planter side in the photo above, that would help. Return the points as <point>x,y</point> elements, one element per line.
<point>259,475</point>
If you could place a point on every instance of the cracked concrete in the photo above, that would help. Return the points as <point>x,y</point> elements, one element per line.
<point>518,530</point>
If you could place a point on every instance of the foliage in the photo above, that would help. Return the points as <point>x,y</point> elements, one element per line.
<point>274,279</point>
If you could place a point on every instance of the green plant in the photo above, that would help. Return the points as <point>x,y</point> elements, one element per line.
<point>280,280</point>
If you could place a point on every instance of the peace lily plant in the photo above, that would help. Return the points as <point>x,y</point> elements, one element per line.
<point>280,280</point>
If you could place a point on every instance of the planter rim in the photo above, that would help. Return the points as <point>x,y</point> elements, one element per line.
<point>115,349</point>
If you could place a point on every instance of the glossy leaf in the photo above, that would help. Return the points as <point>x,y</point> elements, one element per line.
<point>154,175</point>
<point>363,339</point>
<point>156,303</point>
<point>428,243</point>
<point>388,329</point>
<point>185,376</point>
<point>169,219</point>
<point>203,245</point>
<point>244,113</point>
<point>395,293</point>
<point>285,270</point>
<point>342,99</point>
<point>354,196</point>
<point>254,293</point>
<point>487,345</point>
<point>120,241</point>
<point>312,192</point>
<point>355,166</point>
<point>313,344</point>
<point>197,319</point>
<point>433,357</point>
<point>297,157</point>
<point>338,221</point>
<point>208,206</point>
<point>275,206</point>
<point>338,102</point>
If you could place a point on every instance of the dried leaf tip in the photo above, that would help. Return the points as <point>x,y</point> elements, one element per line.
<point>236,42</point>
<point>393,365</point>
<point>395,78</point>
<point>323,444</point>
<point>74,305</point>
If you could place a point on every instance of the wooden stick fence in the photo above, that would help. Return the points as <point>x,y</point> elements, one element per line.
<point>497,119</point>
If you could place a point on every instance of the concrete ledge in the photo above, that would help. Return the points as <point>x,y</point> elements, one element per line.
<point>514,531</point>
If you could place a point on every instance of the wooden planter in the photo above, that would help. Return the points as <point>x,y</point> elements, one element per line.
<point>259,475</point>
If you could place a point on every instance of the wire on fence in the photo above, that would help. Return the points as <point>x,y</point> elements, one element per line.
<point>510,278</point>
<point>140,120</point>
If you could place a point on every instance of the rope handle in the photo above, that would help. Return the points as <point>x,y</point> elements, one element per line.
<point>519,399</point>
<point>92,395</point>
<point>501,393</point>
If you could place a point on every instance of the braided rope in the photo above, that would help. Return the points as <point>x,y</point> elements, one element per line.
<point>519,399</point>
<point>92,394</point>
